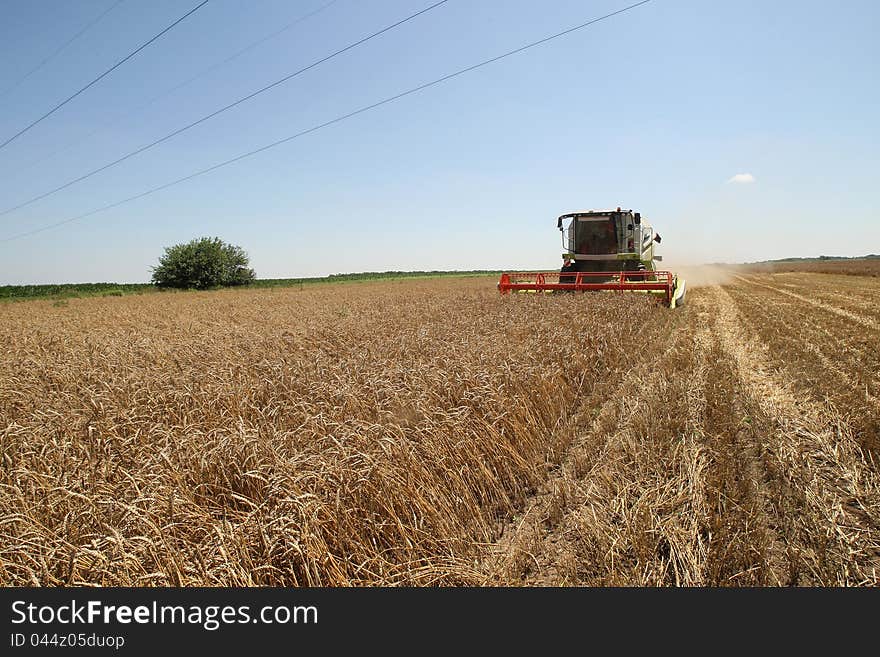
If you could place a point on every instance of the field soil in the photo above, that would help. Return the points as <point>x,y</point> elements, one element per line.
<point>432,432</point>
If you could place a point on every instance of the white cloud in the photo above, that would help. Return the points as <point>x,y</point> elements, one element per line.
<point>742,179</point>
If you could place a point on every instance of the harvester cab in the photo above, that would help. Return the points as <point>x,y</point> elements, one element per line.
<point>609,241</point>
<point>604,250</point>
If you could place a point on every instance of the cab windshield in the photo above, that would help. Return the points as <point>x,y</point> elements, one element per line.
<point>595,236</point>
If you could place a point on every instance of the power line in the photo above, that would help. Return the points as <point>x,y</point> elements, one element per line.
<point>320,126</point>
<point>221,110</point>
<point>104,74</point>
<point>61,48</point>
<point>183,84</point>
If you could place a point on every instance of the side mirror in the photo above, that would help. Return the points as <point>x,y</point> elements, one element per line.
<point>638,218</point>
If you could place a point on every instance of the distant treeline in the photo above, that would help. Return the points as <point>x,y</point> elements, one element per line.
<point>367,276</point>
<point>73,290</point>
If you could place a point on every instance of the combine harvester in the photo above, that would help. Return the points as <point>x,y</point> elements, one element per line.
<point>604,250</point>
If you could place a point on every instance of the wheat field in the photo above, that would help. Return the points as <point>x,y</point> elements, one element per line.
<point>432,432</point>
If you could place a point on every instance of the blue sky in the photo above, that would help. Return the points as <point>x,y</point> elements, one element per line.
<point>657,109</point>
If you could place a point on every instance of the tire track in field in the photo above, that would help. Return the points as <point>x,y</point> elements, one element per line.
<point>864,321</point>
<point>830,497</point>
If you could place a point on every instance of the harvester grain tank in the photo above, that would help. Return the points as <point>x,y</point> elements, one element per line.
<point>604,250</point>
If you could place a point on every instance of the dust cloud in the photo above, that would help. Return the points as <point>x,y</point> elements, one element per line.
<point>704,275</point>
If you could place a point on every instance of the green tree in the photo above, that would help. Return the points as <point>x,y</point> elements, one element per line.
<point>203,263</point>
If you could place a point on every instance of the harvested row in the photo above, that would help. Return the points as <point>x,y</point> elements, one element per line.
<point>807,300</point>
<point>535,549</point>
<point>703,470</point>
<point>746,522</point>
<point>668,495</point>
<point>628,506</point>
<point>827,494</point>
<point>857,296</point>
<point>830,357</point>
<point>380,434</point>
